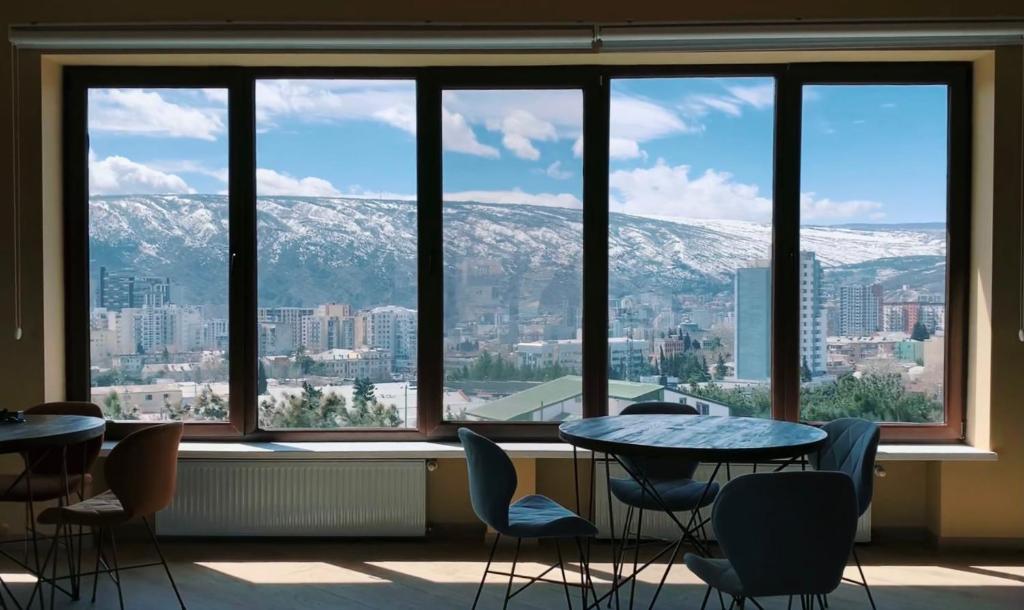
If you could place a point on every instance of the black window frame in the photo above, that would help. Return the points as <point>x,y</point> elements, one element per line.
<point>594,82</point>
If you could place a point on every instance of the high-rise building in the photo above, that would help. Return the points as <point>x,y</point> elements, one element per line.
<point>813,317</point>
<point>123,289</point>
<point>860,309</point>
<point>390,328</point>
<point>753,306</point>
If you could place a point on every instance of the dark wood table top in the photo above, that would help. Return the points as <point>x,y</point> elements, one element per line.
<point>49,430</point>
<point>706,438</point>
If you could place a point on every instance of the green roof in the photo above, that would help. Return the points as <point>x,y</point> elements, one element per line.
<point>515,406</point>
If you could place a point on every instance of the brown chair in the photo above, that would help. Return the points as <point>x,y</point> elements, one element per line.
<point>41,480</point>
<point>141,471</point>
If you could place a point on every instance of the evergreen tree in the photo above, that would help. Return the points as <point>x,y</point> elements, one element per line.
<point>115,409</point>
<point>920,332</point>
<point>805,371</point>
<point>261,379</point>
<point>720,369</point>
<point>363,392</point>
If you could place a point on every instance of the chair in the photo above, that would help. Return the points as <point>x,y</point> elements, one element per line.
<point>782,533</point>
<point>674,484</point>
<point>142,472</point>
<point>850,448</point>
<point>492,482</point>
<point>41,480</point>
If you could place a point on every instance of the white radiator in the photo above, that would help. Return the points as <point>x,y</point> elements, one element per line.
<point>659,525</point>
<point>297,498</point>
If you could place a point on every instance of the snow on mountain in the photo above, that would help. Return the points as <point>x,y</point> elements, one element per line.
<point>363,251</point>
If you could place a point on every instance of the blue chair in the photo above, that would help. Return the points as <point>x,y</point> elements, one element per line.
<point>675,487</point>
<point>492,482</point>
<point>782,533</point>
<point>851,448</point>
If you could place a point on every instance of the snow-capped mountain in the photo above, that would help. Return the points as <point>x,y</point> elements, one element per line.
<point>363,251</point>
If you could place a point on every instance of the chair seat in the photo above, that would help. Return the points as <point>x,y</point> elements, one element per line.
<point>102,510</point>
<point>44,487</point>
<point>542,517</point>
<point>677,495</point>
<point>718,573</point>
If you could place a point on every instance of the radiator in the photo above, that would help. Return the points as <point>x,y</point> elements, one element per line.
<point>297,498</point>
<point>659,525</point>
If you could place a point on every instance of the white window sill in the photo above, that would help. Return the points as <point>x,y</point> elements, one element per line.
<point>435,450</point>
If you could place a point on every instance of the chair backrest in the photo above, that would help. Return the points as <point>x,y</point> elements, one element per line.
<point>851,448</point>
<point>80,457</point>
<point>492,479</point>
<point>142,469</point>
<point>659,468</point>
<point>787,533</point>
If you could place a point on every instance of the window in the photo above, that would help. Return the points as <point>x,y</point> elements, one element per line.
<point>336,241</point>
<point>873,249</point>
<point>327,253</point>
<point>513,255</point>
<point>158,252</point>
<point>690,231</point>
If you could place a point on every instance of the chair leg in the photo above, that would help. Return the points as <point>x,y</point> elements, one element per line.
<point>617,566</point>
<point>96,569</point>
<point>671,560</point>
<point>490,558</point>
<point>117,571</point>
<point>707,596</point>
<point>512,574</point>
<point>167,569</point>
<point>561,566</point>
<point>863,579</point>
<point>636,556</point>
<point>41,576</point>
<point>586,583</point>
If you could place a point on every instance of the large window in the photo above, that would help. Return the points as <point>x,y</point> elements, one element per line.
<point>389,254</point>
<point>513,255</point>
<point>336,242</point>
<point>690,235</point>
<point>158,253</point>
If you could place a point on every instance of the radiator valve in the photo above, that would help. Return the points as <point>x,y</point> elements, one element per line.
<point>431,465</point>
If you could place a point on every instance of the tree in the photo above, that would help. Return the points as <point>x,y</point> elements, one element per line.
<point>720,369</point>
<point>114,408</point>
<point>920,332</point>
<point>364,390</point>
<point>165,355</point>
<point>261,379</point>
<point>805,371</point>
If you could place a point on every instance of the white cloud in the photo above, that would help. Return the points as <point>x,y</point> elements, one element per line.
<point>732,102</point>
<point>670,192</point>
<point>812,209</point>
<point>116,175</point>
<point>458,136</point>
<point>148,113</point>
<point>392,102</point>
<point>666,191</point>
<point>270,183</point>
<point>520,128</point>
<point>185,166</point>
<point>618,148</point>
<point>516,196</point>
<point>640,120</point>
<point>758,96</point>
<point>555,171</point>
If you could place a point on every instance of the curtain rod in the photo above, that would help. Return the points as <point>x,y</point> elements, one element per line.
<point>431,37</point>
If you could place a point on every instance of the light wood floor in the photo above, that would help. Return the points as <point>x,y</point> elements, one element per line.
<point>254,575</point>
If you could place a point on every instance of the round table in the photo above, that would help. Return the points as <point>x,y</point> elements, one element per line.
<point>43,431</point>
<point>704,438</point>
<point>699,438</point>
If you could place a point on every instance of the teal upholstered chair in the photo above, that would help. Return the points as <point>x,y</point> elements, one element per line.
<point>850,448</point>
<point>782,533</point>
<point>492,482</point>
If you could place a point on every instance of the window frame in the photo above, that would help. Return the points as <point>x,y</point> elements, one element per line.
<point>594,81</point>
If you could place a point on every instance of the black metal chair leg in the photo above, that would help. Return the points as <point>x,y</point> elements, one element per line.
<point>167,569</point>
<point>636,556</point>
<point>671,560</point>
<point>96,569</point>
<point>490,558</point>
<point>617,567</point>
<point>117,572</point>
<point>512,574</point>
<point>41,577</point>
<point>707,596</point>
<point>863,579</point>
<point>561,566</point>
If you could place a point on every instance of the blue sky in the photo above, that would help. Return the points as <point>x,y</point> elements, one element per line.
<point>680,148</point>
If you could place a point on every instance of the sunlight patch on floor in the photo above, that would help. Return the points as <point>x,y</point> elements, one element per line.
<point>451,572</point>
<point>933,576</point>
<point>290,572</point>
<point>19,577</point>
<point>1008,570</point>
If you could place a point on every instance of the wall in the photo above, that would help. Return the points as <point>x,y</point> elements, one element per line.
<point>945,498</point>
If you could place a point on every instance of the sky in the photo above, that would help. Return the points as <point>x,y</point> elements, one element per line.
<point>680,148</point>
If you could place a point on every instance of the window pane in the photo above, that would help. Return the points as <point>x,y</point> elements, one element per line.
<point>158,246</point>
<point>873,252</point>
<point>689,278</point>
<point>513,241</point>
<point>336,234</point>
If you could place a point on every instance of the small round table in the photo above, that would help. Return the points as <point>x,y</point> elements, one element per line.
<point>695,438</point>
<point>43,434</point>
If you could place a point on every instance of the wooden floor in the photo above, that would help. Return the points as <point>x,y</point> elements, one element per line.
<point>398,575</point>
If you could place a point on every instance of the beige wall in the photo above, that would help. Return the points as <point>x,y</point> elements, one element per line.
<point>954,501</point>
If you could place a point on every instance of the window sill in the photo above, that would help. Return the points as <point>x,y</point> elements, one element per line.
<point>433,450</point>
